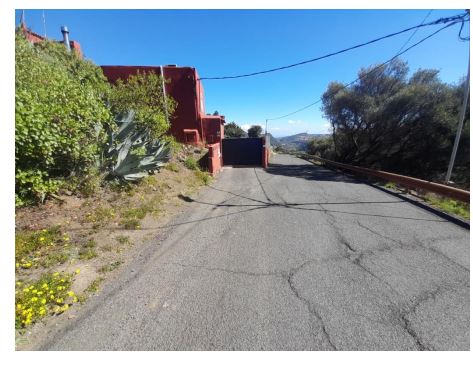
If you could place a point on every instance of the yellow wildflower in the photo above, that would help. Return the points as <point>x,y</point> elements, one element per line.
<point>43,301</point>
<point>70,294</point>
<point>42,312</point>
<point>55,274</point>
<point>42,239</point>
<point>77,271</point>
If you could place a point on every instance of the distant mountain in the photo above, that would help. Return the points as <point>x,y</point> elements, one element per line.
<point>298,141</point>
<point>273,141</point>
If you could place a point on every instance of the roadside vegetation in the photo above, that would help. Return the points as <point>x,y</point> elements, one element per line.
<point>396,122</point>
<point>96,175</point>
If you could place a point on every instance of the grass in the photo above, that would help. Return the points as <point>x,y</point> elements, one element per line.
<point>110,267</point>
<point>449,205</point>
<point>29,241</point>
<point>204,177</point>
<point>123,239</point>
<point>390,185</point>
<point>87,251</point>
<point>171,166</point>
<point>54,259</point>
<point>95,285</point>
<point>49,295</point>
<point>191,163</point>
<point>46,247</point>
<point>131,217</point>
<point>100,216</point>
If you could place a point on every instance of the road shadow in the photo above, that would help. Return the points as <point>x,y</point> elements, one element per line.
<point>308,172</point>
<point>314,172</point>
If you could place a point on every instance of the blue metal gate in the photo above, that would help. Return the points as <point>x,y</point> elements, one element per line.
<point>242,151</point>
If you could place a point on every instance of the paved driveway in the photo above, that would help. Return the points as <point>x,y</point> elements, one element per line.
<point>293,258</point>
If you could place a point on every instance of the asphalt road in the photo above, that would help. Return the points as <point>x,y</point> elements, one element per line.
<point>296,257</point>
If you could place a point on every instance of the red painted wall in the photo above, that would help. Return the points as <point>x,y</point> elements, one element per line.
<point>215,162</point>
<point>36,38</point>
<point>185,88</point>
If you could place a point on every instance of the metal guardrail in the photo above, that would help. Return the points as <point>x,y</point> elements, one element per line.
<point>409,182</point>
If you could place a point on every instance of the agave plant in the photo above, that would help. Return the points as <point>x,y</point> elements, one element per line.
<point>132,153</point>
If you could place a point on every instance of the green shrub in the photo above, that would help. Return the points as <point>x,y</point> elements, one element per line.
<point>143,93</point>
<point>204,177</point>
<point>191,163</point>
<point>60,112</point>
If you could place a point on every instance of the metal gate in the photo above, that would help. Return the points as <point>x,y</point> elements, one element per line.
<point>242,151</point>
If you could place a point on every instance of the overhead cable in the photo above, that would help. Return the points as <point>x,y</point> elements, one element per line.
<point>368,73</point>
<point>455,19</point>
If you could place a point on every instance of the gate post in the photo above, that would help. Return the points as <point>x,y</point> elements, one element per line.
<point>265,151</point>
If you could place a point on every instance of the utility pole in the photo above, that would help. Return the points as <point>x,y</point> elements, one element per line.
<point>466,92</point>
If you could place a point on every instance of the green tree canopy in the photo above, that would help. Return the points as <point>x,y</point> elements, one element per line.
<point>255,131</point>
<point>403,124</point>
<point>232,130</point>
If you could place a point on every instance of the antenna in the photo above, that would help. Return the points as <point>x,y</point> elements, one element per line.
<point>44,24</point>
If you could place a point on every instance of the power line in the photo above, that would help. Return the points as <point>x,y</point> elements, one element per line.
<point>455,18</point>
<point>415,31</point>
<point>368,73</point>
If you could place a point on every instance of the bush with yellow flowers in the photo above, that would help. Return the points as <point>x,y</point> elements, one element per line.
<point>49,295</point>
<point>44,247</point>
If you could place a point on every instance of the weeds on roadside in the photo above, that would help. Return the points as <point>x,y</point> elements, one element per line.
<point>171,166</point>
<point>95,285</point>
<point>449,205</point>
<point>87,251</point>
<point>47,296</point>
<point>44,247</point>
<point>100,216</point>
<point>203,177</point>
<point>110,267</point>
<point>191,163</point>
<point>123,239</point>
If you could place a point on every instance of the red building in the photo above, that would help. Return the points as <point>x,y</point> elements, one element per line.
<point>36,38</point>
<point>189,123</point>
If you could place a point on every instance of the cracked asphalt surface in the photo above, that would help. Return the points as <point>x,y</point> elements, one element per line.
<point>295,257</point>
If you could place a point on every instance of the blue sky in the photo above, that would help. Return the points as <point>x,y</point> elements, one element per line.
<point>227,42</point>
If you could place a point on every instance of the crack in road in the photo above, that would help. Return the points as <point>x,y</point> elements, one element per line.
<point>310,307</point>
<point>406,323</point>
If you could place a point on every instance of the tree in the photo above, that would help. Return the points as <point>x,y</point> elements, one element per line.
<point>143,94</point>
<point>232,130</point>
<point>322,147</point>
<point>255,131</point>
<point>215,113</point>
<point>391,122</point>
